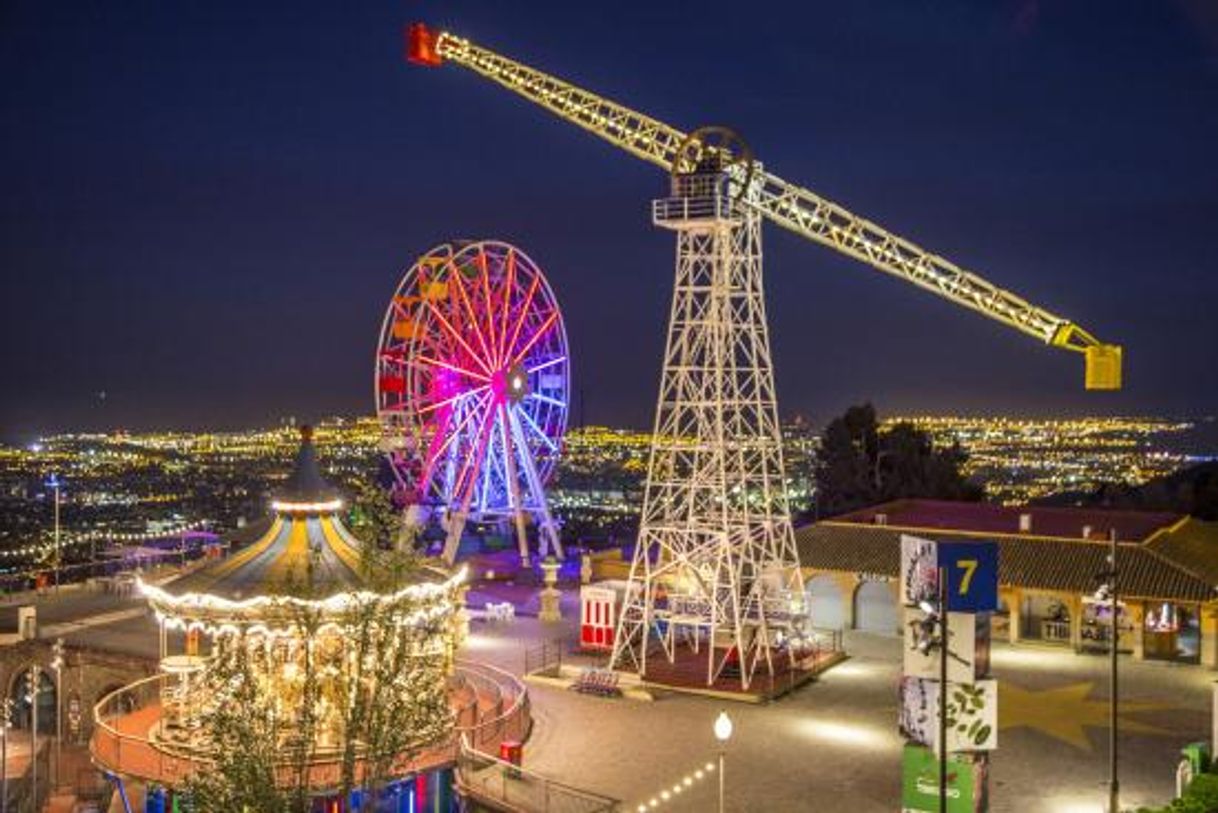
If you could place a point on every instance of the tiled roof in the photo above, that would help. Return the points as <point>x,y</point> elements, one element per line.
<point>979,517</point>
<point>1027,561</point>
<point>1193,545</point>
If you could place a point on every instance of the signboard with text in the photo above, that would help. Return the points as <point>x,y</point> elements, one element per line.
<point>972,576</point>
<point>966,782</point>
<point>971,568</point>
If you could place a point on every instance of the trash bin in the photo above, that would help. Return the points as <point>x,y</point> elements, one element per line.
<point>512,752</point>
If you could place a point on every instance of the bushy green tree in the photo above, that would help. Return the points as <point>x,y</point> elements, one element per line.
<point>374,518</point>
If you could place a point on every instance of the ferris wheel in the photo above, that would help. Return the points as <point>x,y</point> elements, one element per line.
<point>472,380</point>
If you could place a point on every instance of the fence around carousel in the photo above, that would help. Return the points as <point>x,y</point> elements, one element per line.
<point>488,779</point>
<point>499,711</point>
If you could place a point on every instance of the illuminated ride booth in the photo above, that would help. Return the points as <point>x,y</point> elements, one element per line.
<point>339,665</point>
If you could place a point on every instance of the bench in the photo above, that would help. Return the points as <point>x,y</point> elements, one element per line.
<point>600,682</point>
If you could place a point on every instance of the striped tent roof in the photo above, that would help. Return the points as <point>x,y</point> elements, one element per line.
<point>314,556</point>
<point>303,552</point>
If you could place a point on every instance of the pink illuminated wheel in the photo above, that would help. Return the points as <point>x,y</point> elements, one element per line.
<point>472,381</point>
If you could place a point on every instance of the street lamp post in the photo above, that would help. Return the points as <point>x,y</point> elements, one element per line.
<point>54,484</point>
<point>944,643</point>
<point>32,683</point>
<point>57,663</point>
<point>723,732</point>
<point>6,717</point>
<point>1114,785</point>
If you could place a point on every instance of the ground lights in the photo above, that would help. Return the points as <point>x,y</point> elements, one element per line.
<point>669,793</point>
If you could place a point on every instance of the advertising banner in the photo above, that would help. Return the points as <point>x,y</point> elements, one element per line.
<point>966,782</point>
<point>968,651</point>
<point>972,576</point>
<point>972,573</point>
<point>972,714</point>
<point>919,570</point>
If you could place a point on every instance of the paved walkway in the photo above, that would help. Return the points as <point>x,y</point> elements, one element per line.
<point>833,745</point>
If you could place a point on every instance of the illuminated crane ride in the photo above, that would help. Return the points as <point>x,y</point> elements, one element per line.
<point>716,567</point>
<point>472,376</point>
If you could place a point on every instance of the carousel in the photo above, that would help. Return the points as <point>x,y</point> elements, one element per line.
<point>336,661</point>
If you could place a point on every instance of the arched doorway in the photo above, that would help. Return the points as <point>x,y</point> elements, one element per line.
<point>825,602</point>
<point>23,703</point>
<point>875,608</point>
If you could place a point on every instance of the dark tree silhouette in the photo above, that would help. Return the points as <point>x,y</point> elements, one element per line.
<point>859,464</point>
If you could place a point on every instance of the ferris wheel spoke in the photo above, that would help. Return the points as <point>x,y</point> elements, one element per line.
<point>423,410</point>
<point>440,449</point>
<point>546,439</point>
<point>509,285</point>
<point>473,412</point>
<point>449,366</point>
<point>486,295</point>
<point>473,319</point>
<point>541,331</point>
<point>452,331</point>
<point>524,312</point>
<point>545,364</point>
<point>545,399</point>
<point>467,479</point>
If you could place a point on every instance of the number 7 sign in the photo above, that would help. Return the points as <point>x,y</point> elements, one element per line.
<point>972,575</point>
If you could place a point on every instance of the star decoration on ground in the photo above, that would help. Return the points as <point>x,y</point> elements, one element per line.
<point>1065,712</point>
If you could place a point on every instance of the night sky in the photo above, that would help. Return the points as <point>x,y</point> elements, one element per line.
<point>204,207</point>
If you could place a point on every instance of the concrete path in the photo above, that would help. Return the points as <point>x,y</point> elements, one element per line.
<point>833,745</point>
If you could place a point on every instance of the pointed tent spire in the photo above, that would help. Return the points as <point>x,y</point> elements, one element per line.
<point>305,484</point>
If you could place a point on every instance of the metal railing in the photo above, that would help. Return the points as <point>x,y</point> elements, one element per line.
<point>827,640</point>
<point>544,657</point>
<point>507,786</point>
<point>701,207</point>
<point>507,717</point>
<point>123,721</point>
<point>45,578</point>
<point>496,710</point>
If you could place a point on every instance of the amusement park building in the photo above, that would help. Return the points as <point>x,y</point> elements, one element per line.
<point>302,614</point>
<point>1050,561</point>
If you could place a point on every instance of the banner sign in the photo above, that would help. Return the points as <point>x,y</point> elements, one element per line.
<point>966,782</point>
<point>972,714</point>
<point>968,651</point>
<point>972,573</point>
<point>919,571</point>
<point>972,576</point>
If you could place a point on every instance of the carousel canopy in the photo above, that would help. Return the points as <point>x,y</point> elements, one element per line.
<point>305,551</point>
<point>305,563</point>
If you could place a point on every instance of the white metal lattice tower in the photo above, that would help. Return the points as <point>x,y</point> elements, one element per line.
<point>715,568</point>
<point>716,565</point>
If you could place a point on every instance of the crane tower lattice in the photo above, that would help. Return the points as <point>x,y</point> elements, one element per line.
<point>716,568</point>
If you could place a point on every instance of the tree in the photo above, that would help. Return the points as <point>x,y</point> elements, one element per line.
<point>849,445</point>
<point>375,518</point>
<point>860,464</point>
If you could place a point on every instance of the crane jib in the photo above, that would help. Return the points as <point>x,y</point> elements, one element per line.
<point>793,207</point>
